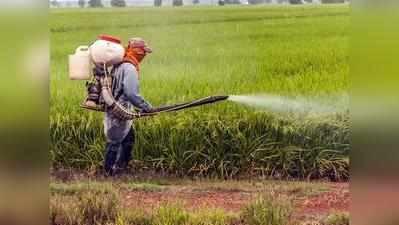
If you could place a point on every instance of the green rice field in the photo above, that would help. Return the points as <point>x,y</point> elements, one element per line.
<point>201,51</point>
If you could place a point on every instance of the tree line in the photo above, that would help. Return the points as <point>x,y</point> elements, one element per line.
<point>122,3</point>
<point>114,3</point>
<point>92,3</point>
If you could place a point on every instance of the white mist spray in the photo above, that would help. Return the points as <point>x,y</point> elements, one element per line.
<point>296,105</point>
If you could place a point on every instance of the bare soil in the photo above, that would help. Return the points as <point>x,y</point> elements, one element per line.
<point>312,200</point>
<point>334,198</point>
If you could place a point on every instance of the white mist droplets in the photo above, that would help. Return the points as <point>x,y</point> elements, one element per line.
<point>297,105</point>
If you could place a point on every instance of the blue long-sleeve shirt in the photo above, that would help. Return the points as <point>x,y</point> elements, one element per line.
<point>125,86</point>
<point>125,89</point>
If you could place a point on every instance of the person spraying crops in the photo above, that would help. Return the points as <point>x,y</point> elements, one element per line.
<point>116,93</point>
<point>125,89</point>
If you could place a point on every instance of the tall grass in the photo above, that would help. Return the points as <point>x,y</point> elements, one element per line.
<point>83,206</point>
<point>268,210</point>
<point>204,51</point>
<point>337,218</point>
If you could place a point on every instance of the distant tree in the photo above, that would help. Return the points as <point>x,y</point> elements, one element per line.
<point>221,2</point>
<point>256,1</point>
<point>195,2</point>
<point>177,2</point>
<point>332,1</point>
<point>82,3</point>
<point>295,2</point>
<point>54,3</point>
<point>157,2</point>
<point>118,3</point>
<point>95,3</point>
<point>232,1</point>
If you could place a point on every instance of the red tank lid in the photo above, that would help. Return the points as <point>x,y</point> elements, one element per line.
<point>110,38</point>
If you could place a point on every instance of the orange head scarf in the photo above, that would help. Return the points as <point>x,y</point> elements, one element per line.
<point>135,52</point>
<point>131,57</point>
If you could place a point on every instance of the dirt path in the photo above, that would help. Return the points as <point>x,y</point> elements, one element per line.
<point>226,200</point>
<point>335,200</point>
<point>311,200</point>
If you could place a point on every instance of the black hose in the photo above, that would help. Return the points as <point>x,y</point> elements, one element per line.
<point>186,105</point>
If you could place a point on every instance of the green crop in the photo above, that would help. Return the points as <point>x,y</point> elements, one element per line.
<point>201,51</point>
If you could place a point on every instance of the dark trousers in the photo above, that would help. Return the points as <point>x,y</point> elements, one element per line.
<point>118,155</point>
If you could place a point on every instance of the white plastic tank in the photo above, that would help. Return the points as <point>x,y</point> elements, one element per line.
<point>80,64</point>
<point>107,50</point>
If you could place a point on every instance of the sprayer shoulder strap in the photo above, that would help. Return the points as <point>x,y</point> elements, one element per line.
<point>117,93</point>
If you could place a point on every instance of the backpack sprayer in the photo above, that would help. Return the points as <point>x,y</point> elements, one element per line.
<point>105,52</point>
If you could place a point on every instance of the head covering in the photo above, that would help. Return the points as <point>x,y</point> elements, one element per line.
<point>139,43</point>
<point>131,54</point>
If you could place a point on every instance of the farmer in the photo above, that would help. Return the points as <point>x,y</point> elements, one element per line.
<point>125,89</point>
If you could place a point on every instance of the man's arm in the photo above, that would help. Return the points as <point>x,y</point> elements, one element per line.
<point>131,89</point>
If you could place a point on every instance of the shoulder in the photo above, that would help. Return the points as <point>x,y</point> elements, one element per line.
<point>127,67</point>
